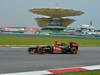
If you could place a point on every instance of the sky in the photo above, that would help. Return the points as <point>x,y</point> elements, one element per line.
<point>16,12</point>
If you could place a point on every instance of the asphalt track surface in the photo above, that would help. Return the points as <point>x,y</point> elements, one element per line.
<point>18,60</point>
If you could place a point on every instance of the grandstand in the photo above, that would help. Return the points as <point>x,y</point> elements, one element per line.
<point>56,20</point>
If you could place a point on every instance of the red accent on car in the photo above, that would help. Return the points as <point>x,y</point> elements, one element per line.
<point>74,44</point>
<point>58,43</point>
<point>57,50</point>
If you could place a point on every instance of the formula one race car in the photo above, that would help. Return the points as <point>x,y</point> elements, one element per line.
<point>58,47</point>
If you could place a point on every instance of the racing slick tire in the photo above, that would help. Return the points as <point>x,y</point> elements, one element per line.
<point>40,51</point>
<point>74,50</point>
<point>32,50</point>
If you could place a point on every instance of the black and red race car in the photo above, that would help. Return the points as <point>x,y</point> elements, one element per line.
<point>58,47</point>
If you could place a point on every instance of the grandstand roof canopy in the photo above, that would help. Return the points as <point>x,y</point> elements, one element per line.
<point>54,12</point>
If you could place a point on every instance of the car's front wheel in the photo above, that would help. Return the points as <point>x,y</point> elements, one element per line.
<point>74,50</point>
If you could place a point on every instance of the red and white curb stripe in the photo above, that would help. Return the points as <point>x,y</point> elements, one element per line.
<point>57,71</point>
<point>12,47</point>
<point>4,47</point>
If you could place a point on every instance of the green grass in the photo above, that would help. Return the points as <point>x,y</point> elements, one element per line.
<point>82,73</point>
<point>20,40</point>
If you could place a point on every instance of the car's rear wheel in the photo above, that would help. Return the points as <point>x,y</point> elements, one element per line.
<point>40,51</point>
<point>32,50</point>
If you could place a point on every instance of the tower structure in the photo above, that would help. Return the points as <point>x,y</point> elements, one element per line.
<point>57,19</point>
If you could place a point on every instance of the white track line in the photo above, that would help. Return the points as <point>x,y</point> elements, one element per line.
<point>94,67</point>
<point>30,73</point>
